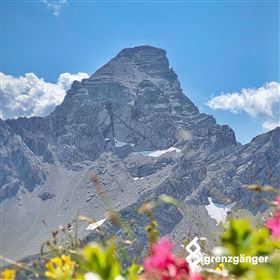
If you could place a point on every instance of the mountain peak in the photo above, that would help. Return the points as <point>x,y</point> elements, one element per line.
<point>147,60</point>
<point>142,50</point>
<point>134,98</point>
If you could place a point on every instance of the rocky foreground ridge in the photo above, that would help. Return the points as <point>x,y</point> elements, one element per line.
<point>131,123</point>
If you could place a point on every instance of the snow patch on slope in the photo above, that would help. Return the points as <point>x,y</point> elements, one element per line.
<point>119,144</point>
<point>137,178</point>
<point>218,211</point>
<point>158,153</point>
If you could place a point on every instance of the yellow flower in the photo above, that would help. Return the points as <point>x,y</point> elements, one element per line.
<point>68,262</point>
<point>220,267</point>
<point>60,268</point>
<point>57,261</point>
<point>8,274</point>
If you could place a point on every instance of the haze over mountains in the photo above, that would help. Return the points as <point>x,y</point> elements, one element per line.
<point>131,123</point>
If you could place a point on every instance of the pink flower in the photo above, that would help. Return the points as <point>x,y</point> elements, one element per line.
<point>161,255</point>
<point>163,265</point>
<point>278,201</point>
<point>274,224</point>
<point>195,277</point>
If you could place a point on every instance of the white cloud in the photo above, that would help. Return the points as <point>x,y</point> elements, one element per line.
<point>269,125</point>
<point>29,95</point>
<point>55,6</point>
<point>260,102</point>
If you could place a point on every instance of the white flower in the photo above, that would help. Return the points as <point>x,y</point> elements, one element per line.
<point>96,225</point>
<point>92,276</point>
<point>119,277</point>
<point>219,251</point>
<point>223,273</point>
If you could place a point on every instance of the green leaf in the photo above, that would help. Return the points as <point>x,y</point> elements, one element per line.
<point>133,271</point>
<point>102,260</point>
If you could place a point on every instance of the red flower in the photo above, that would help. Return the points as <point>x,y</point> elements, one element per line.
<point>274,224</point>
<point>161,264</point>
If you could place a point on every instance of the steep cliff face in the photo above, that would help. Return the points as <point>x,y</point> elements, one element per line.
<point>131,123</point>
<point>135,98</point>
<point>20,168</point>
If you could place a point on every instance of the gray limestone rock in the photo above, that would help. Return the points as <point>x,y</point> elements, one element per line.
<point>20,168</point>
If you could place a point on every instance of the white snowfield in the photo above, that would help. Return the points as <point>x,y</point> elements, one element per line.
<point>218,212</point>
<point>158,153</point>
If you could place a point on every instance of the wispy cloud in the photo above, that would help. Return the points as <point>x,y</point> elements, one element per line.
<point>55,6</point>
<point>260,102</point>
<point>29,95</point>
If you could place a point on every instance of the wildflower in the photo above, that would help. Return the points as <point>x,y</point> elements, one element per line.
<point>274,224</point>
<point>195,277</point>
<point>92,276</point>
<point>119,277</point>
<point>220,267</point>
<point>8,274</point>
<point>253,187</point>
<point>161,264</point>
<point>60,268</point>
<point>146,208</point>
<point>219,251</point>
<point>113,217</point>
<point>96,225</point>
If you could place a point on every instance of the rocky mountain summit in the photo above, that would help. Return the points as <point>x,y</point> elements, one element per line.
<point>131,123</point>
<point>135,98</point>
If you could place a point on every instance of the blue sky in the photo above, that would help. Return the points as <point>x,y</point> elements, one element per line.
<point>215,47</point>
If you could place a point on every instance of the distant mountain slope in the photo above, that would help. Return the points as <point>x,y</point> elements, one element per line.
<point>131,123</point>
<point>20,168</point>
